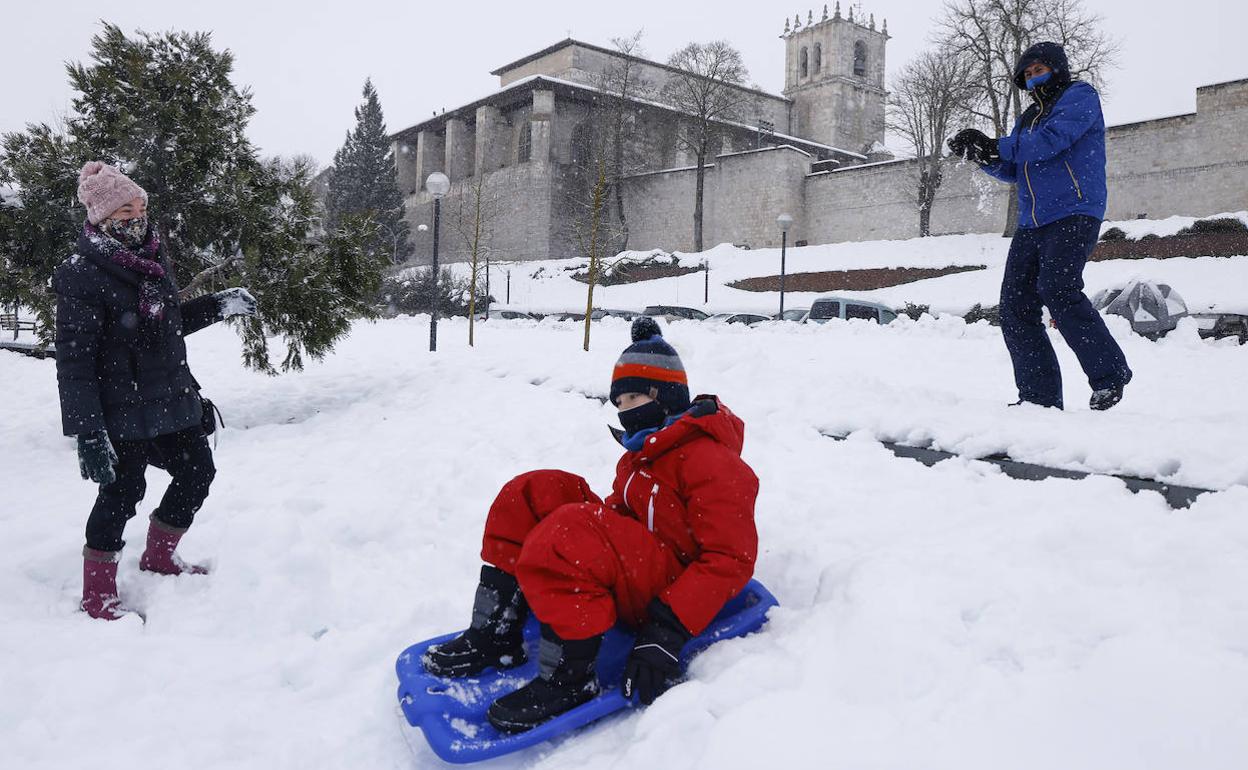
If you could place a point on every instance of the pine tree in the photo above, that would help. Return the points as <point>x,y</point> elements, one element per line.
<point>163,108</point>
<point>363,181</point>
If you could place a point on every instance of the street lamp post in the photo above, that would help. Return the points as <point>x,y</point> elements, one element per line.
<point>508,286</point>
<point>785,221</point>
<point>487,287</point>
<point>706,286</point>
<point>438,185</point>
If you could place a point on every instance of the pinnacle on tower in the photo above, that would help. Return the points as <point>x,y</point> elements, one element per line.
<point>873,21</point>
<point>886,27</point>
<point>797,22</point>
<point>825,12</point>
<point>851,13</point>
<point>838,10</point>
<point>810,18</point>
<point>786,25</point>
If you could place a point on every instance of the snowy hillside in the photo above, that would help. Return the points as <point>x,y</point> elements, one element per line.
<point>1206,283</point>
<point>944,617</point>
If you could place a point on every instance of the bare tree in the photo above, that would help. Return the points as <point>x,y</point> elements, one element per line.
<point>930,93</point>
<point>474,220</point>
<point>587,190</point>
<point>993,34</point>
<point>709,88</point>
<point>623,81</point>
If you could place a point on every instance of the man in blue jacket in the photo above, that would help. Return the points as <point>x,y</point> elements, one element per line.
<point>1056,156</point>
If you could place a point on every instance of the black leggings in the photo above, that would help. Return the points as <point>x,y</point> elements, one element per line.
<point>187,458</point>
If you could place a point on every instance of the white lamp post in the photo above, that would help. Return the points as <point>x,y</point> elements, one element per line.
<point>438,185</point>
<point>785,221</point>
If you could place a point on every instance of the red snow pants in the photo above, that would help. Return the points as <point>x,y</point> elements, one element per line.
<point>580,565</point>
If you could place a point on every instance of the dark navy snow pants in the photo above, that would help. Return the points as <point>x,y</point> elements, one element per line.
<point>1045,267</point>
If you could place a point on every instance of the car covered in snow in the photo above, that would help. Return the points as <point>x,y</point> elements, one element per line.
<point>825,309</point>
<point>674,313</point>
<point>749,319</point>
<point>792,314</point>
<point>506,314</point>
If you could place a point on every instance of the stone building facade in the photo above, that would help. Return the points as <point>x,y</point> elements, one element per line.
<point>814,152</point>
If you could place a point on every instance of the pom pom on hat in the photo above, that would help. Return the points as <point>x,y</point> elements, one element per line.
<point>103,189</point>
<point>645,327</point>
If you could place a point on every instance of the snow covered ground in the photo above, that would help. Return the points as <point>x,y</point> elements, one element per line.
<point>1206,283</point>
<point>935,618</point>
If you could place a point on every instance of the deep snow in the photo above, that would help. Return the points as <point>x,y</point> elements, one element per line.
<point>936,618</point>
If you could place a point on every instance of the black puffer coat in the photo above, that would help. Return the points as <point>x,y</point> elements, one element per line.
<point>115,372</point>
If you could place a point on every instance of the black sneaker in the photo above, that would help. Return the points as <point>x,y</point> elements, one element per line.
<point>1105,398</point>
<point>567,680</point>
<point>496,637</point>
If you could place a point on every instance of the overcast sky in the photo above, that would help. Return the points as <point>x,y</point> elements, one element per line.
<point>306,62</point>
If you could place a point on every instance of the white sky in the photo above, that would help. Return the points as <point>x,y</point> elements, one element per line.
<point>306,61</point>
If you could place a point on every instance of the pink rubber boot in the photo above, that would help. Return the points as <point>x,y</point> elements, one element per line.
<point>99,585</point>
<point>159,556</point>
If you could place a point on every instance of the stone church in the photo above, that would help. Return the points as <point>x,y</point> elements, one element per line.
<point>815,152</point>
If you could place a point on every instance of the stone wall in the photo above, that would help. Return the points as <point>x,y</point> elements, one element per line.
<point>1192,165</point>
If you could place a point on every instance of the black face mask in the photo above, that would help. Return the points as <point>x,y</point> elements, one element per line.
<point>648,415</point>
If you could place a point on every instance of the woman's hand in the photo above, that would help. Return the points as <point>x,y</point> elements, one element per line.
<point>96,457</point>
<point>235,302</point>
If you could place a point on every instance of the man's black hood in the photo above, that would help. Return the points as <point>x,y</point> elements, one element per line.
<point>1050,55</point>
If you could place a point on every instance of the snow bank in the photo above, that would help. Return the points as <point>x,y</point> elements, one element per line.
<point>936,618</point>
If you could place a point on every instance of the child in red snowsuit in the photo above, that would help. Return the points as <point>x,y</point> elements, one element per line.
<point>669,546</point>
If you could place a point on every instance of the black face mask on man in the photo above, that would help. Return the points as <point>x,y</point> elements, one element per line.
<point>649,415</point>
<point>131,233</point>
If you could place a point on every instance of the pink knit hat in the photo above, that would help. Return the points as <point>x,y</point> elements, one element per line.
<point>103,189</point>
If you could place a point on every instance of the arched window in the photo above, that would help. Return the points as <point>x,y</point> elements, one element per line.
<point>803,63</point>
<point>524,147</point>
<point>860,59</point>
<point>818,57</point>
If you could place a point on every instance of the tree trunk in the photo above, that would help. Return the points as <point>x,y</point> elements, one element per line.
<point>697,199</point>
<point>925,219</point>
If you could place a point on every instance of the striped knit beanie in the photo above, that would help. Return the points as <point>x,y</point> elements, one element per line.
<point>651,363</point>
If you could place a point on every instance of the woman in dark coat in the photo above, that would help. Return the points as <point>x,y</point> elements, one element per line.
<point>126,390</point>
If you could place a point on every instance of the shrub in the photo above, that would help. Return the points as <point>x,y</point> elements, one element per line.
<point>980,313</point>
<point>1219,225</point>
<point>915,312</point>
<point>1114,234</point>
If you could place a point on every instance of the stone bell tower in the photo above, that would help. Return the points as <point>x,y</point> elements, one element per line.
<point>834,73</point>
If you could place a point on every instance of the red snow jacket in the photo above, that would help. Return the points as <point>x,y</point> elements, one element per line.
<point>690,487</point>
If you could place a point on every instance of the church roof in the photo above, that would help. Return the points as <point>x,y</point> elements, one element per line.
<point>611,52</point>
<point>524,85</point>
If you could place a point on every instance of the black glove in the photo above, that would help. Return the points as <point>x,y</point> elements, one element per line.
<point>654,663</point>
<point>96,457</point>
<point>974,145</point>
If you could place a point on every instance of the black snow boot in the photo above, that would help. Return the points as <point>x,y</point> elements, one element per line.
<point>566,681</point>
<point>1105,398</point>
<point>495,638</point>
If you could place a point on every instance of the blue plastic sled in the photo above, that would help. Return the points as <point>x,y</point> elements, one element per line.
<point>451,712</point>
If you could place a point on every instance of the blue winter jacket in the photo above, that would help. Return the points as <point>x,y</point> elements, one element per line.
<point>1056,152</point>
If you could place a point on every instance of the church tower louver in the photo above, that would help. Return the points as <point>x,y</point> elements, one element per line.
<point>834,73</point>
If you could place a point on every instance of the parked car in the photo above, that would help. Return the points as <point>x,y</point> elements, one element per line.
<point>792,314</point>
<point>507,315</point>
<point>674,313</point>
<point>824,309</point>
<point>738,318</point>
<point>602,313</point>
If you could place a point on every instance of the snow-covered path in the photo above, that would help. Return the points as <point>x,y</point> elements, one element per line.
<point>944,617</point>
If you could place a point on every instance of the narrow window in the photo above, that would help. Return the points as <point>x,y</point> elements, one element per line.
<point>524,149</point>
<point>818,57</point>
<point>860,59</point>
<point>803,60</point>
